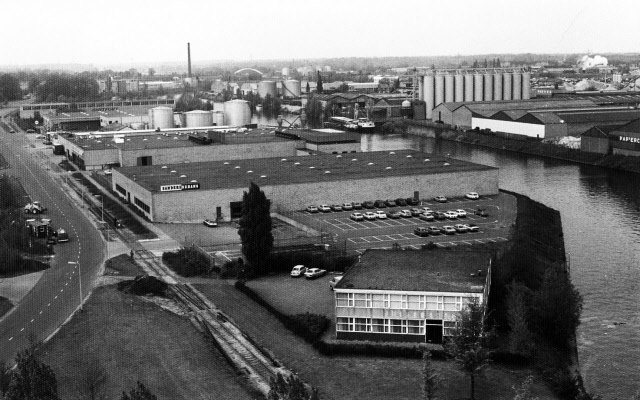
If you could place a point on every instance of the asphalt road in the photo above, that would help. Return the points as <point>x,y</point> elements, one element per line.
<point>57,294</point>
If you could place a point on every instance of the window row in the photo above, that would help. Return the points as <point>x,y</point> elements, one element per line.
<point>380,325</point>
<point>401,301</point>
<point>141,204</point>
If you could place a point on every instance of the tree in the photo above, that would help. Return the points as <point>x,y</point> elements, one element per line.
<point>314,111</point>
<point>431,379</point>
<point>255,228</point>
<point>5,378</point>
<point>290,388</point>
<point>308,87</point>
<point>32,380</point>
<point>475,64</point>
<point>524,391</point>
<point>468,343</point>
<point>498,64</point>
<point>10,87</point>
<point>520,336</point>
<point>319,88</point>
<point>140,392</point>
<point>92,382</point>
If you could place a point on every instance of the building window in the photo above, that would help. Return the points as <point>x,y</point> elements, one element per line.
<point>449,326</point>
<point>363,325</point>
<point>378,300</point>
<point>141,205</point>
<point>414,302</point>
<point>397,326</point>
<point>415,327</point>
<point>378,325</point>
<point>360,300</point>
<point>344,324</point>
<point>451,303</point>
<point>344,299</point>
<point>121,190</point>
<point>395,301</point>
<point>435,303</point>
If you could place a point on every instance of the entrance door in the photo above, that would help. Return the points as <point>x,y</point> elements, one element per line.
<point>218,213</point>
<point>433,331</point>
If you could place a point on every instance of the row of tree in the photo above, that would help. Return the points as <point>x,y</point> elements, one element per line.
<point>9,88</point>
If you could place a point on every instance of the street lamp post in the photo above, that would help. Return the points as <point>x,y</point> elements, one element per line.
<point>79,281</point>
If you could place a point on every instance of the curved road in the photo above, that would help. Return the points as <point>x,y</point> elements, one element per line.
<point>56,295</point>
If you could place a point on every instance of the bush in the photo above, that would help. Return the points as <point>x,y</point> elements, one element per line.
<point>187,262</point>
<point>375,349</point>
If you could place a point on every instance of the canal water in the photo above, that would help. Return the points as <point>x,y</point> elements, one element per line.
<point>600,211</point>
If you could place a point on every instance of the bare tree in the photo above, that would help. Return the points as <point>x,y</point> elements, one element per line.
<point>93,380</point>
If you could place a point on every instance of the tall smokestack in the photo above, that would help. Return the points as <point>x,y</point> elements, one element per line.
<point>189,57</point>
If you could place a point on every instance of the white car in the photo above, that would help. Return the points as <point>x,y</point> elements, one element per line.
<point>440,199</point>
<point>356,216</point>
<point>313,273</point>
<point>347,206</point>
<point>210,223</point>
<point>298,270</point>
<point>381,214</point>
<point>451,215</point>
<point>108,171</point>
<point>312,209</point>
<point>405,213</point>
<point>461,228</point>
<point>324,208</point>
<point>472,228</point>
<point>472,196</point>
<point>426,210</point>
<point>369,215</point>
<point>461,213</point>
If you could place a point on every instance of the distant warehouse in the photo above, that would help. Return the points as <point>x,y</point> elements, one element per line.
<point>191,192</point>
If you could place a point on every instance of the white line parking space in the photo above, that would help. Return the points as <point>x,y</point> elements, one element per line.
<point>452,243</point>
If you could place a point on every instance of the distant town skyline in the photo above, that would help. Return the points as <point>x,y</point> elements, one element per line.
<point>131,32</point>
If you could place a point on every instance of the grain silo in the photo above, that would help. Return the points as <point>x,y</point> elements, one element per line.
<point>506,86</point>
<point>526,85</point>
<point>488,87</point>
<point>459,87</point>
<point>497,86</point>
<point>162,117</point>
<point>198,119</point>
<point>237,113</point>
<point>517,86</point>
<point>468,87</point>
<point>291,88</point>
<point>448,88</point>
<point>420,88</point>
<point>267,88</point>
<point>439,89</point>
<point>429,94</point>
<point>478,94</point>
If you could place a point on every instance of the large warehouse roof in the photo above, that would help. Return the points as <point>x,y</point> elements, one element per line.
<point>599,116</point>
<point>433,271</point>
<point>302,169</point>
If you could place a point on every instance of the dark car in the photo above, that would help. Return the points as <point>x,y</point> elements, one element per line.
<point>481,212</point>
<point>401,202</point>
<point>380,204</point>
<point>390,202</point>
<point>356,205</point>
<point>412,202</point>
<point>421,231</point>
<point>439,215</point>
<point>368,204</point>
<point>434,230</point>
<point>394,214</point>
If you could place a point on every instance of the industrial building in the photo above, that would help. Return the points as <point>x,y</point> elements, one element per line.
<point>29,110</point>
<point>613,139</point>
<point>325,140</point>
<point>409,296</point>
<point>191,192</point>
<point>88,120</point>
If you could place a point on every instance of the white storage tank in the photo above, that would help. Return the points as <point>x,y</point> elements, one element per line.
<point>506,86</point>
<point>162,117</point>
<point>488,87</point>
<point>285,71</point>
<point>448,88</point>
<point>497,86</point>
<point>267,87</point>
<point>198,118</point>
<point>137,125</point>
<point>526,85</point>
<point>237,113</point>
<point>478,94</point>
<point>219,119</point>
<point>439,90</point>
<point>517,86</point>
<point>468,87</point>
<point>459,87</point>
<point>429,94</point>
<point>291,88</point>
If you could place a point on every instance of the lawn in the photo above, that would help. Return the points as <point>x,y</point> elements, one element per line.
<point>5,306</point>
<point>122,266</point>
<point>344,377</point>
<point>134,339</point>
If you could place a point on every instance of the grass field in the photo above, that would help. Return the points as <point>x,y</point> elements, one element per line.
<point>5,306</point>
<point>134,339</point>
<point>122,266</point>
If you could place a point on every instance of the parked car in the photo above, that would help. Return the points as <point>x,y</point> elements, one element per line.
<point>416,212</point>
<point>370,216</point>
<point>356,205</point>
<point>347,206</point>
<point>461,213</point>
<point>451,215</point>
<point>440,199</point>
<point>426,210</point>
<point>313,273</point>
<point>356,216</point>
<point>334,281</point>
<point>368,204</point>
<point>47,142</point>
<point>312,209</point>
<point>394,214</point>
<point>12,131</point>
<point>405,213</point>
<point>434,230</point>
<point>461,228</point>
<point>412,202</point>
<point>473,228</point>
<point>390,202</point>
<point>298,270</point>
<point>427,217</point>
<point>439,215</point>
<point>108,171</point>
<point>472,196</point>
<point>381,214</point>
<point>380,204</point>
<point>421,231</point>
<point>336,207</point>
<point>481,212</point>
<point>324,208</point>
<point>448,230</point>
<point>401,202</point>
<point>31,131</point>
<point>210,223</point>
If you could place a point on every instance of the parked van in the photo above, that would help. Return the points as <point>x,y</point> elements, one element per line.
<point>298,271</point>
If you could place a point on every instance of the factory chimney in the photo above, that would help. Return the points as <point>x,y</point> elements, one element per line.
<point>189,57</point>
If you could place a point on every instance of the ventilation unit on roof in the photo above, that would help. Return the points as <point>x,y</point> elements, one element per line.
<point>354,159</point>
<point>297,163</point>
<point>183,176</point>
<point>226,163</point>
<point>164,166</point>
<point>284,159</point>
<point>194,181</point>
<point>426,159</point>
<point>249,171</point>
<point>237,166</point>
<point>388,168</point>
<point>409,156</point>
<point>173,171</point>
<point>327,172</point>
<point>311,167</point>
<point>393,152</point>
<point>263,176</point>
<point>370,163</point>
<point>445,164</point>
<point>338,156</point>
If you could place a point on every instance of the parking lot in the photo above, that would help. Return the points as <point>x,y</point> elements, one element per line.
<point>384,233</point>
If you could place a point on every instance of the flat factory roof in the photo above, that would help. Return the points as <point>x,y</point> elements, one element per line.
<point>421,270</point>
<point>303,169</point>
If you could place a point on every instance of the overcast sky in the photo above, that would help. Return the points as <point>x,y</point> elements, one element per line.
<point>135,31</point>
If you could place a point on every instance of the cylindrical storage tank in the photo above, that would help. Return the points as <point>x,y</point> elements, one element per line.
<point>468,87</point>
<point>291,88</point>
<point>267,87</point>
<point>459,87</point>
<point>448,88</point>
<point>506,86</point>
<point>179,119</point>
<point>162,117</point>
<point>488,87</point>
<point>219,118</point>
<point>285,71</point>
<point>497,86</point>
<point>137,125</point>
<point>517,86</point>
<point>478,86</point>
<point>237,113</point>
<point>420,88</point>
<point>429,94</point>
<point>439,89</point>
<point>526,85</point>
<point>150,114</point>
<point>199,118</point>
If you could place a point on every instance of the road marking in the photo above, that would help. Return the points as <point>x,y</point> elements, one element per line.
<point>56,297</point>
<point>41,312</point>
<point>62,290</point>
<point>21,329</point>
<point>11,338</point>
<point>49,305</point>
<point>66,284</point>
<point>32,321</point>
